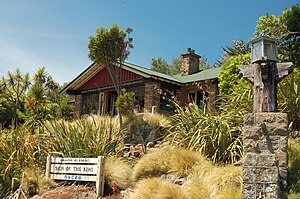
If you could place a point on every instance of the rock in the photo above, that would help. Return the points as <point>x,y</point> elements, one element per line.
<point>126,193</point>
<point>36,197</point>
<point>136,154</point>
<point>150,145</point>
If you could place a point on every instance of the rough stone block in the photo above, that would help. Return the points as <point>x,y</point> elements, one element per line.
<point>249,119</point>
<point>266,160</point>
<point>250,146</point>
<point>249,174</point>
<point>250,160</point>
<point>266,175</point>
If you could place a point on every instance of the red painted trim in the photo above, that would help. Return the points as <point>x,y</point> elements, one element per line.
<point>103,78</point>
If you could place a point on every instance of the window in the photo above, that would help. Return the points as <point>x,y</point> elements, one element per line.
<point>90,103</point>
<point>199,98</point>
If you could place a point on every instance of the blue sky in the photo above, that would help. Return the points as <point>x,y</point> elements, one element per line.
<point>55,33</point>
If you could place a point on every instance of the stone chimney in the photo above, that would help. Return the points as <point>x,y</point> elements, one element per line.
<point>190,62</point>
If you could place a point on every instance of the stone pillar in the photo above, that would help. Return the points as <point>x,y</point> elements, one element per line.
<point>152,96</point>
<point>78,106</point>
<point>265,163</point>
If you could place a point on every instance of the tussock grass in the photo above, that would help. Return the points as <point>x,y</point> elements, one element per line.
<point>216,181</point>
<point>157,120</point>
<point>157,188</point>
<point>166,160</point>
<point>117,171</point>
<point>32,182</point>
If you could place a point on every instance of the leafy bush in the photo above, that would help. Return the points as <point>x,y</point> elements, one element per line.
<point>207,133</point>
<point>125,103</point>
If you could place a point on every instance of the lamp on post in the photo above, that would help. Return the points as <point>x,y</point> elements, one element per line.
<point>262,49</point>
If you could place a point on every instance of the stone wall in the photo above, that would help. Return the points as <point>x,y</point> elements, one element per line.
<point>207,86</point>
<point>152,96</point>
<point>78,106</point>
<point>265,145</point>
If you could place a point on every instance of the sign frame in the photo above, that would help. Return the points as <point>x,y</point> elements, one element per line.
<point>77,169</point>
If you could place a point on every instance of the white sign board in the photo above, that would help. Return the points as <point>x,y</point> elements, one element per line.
<point>77,169</point>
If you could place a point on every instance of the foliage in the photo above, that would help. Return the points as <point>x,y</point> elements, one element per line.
<point>110,48</point>
<point>294,166</point>
<point>14,88</point>
<point>164,161</point>
<point>286,28</point>
<point>32,182</point>
<point>118,172</point>
<point>289,98</point>
<point>157,188</point>
<point>230,78</point>
<point>125,103</point>
<point>214,135</point>
<point>156,120</point>
<point>6,111</point>
<point>239,48</point>
<point>19,149</point>
<point>88,137</point>
<point>160,65</point>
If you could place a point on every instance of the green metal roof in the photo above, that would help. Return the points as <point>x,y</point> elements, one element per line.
<point>207,74</point>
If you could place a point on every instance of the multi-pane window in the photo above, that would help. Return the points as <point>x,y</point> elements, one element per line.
<point>90,103</point>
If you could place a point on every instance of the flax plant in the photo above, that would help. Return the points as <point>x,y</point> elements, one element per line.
<point>208,133</point>
<point>18,150</point>
<point>88,137</point>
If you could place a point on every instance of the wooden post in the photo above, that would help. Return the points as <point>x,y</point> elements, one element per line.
<point>48,166</point>
<point>100,177</point>
<point>265,76</point>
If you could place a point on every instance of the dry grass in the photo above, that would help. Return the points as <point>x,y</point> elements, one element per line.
<point>156,120</point>
<point>166,160</point>
<point>32,182</point>
<point>118,172</point>
<point>220,182</point>
<point>157,188</point>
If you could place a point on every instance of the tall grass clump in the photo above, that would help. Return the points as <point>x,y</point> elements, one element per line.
<point>19,149</point>
<point>294,166</point>
<point>220,182</point>
<point>166,160</point>
<point>118,172</point>
<point>88,137</point>
<point>211,134</point>
<point>156,188</point>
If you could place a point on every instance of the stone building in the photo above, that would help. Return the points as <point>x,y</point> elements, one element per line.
<point>94,90</point>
